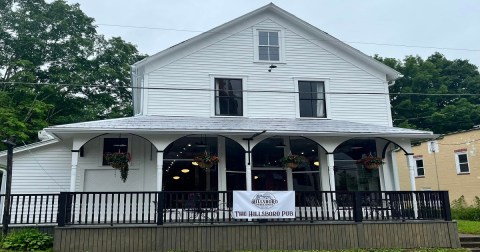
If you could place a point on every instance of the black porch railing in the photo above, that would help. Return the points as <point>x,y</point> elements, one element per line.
<point>116,208</point>
<point>90,208</point>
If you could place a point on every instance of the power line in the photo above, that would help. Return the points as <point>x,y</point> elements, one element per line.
<point>314,39</point>
<point>241,90</point>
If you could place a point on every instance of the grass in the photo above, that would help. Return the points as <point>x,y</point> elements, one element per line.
<point>468,227</point>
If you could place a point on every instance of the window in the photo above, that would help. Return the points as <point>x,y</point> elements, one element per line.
<point>111,145</point>
<point>461,160</point>
<point>420,172</point>
<point>228,97</point>
<point>312,99</point>
<point>268,46</point>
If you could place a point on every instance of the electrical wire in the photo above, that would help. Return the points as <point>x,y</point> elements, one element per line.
<point>242,90</point>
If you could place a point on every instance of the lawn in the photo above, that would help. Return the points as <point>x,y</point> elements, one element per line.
<point>468,227</point>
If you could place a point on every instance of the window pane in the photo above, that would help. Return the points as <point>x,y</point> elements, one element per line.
<point>420,172</point>
<point>274,53</point>
<point>306,108</point>
<point>306,181</point>
<point>320,108</point>
<point>419,163</point>
<point>462,158</point>
<point>111,145</point>
<point>263,38</point>
<point>464,167</point>
<point>263,53</point>
<point>305,90</point>
<point>273,38</point>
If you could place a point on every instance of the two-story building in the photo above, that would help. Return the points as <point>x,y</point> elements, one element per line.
<point>250,91</point>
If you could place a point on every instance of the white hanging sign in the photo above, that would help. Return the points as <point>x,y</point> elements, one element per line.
<point>263,204</point>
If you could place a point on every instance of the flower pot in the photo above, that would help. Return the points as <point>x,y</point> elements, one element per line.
<point>371,166</point>
<point>292,165</point>
<point>205,165</point>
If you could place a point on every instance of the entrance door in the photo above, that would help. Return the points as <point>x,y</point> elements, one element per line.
<point>269,180</point>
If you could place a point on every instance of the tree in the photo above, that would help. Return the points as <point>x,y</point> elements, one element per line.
<point>435,76</point>
<point>56,69</point>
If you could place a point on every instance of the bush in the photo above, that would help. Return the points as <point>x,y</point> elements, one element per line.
<point>28,239</point>
<point>462,211</point>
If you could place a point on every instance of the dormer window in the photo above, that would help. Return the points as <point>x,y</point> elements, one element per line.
<point>269,46</point>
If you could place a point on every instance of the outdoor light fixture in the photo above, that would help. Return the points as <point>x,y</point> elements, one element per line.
<point>185,170</point>
<point>176,177</point>
<point>316,163</point>
<point>271,67</point>
<point>255,177</point>
<point>195,163</point>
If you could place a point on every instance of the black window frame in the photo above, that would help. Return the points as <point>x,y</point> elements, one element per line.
<point>307,98</point>
<point>228,97</point>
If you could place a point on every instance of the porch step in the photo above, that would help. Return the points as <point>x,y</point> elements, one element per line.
<point>470,242</point>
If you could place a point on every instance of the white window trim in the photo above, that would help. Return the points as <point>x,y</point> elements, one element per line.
<point>102,143</point>
<point>326,83</point>
<point>416,167</point>
<point>212,94</point>
<point>457,162</point>
<point>281,45</point>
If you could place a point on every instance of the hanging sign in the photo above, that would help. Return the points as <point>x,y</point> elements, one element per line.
<point>263,204</point>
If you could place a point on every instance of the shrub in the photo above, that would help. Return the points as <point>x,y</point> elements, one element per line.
<point>463,211</point>
<point>28,239</point>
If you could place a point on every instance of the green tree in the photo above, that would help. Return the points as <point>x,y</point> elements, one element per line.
<point>436,75</point>
<point>79,74</point>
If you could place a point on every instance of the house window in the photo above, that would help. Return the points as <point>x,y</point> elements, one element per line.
<point>268,46</point>
<point>228,97</point>
<point>312,99</point>
<point>111,145</point>
<point>461,160</point>
<point>420,169</point>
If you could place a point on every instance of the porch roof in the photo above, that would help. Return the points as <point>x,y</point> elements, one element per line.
<point>237,125</point>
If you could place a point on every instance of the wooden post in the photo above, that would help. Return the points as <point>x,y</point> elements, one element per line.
<point>357,207</point>
<point>160,205</point>
<point>62,208</point>
<point>446,206</point>
<point>6,208</point>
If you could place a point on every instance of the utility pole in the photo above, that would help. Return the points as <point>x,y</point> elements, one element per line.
<point>6,208</point>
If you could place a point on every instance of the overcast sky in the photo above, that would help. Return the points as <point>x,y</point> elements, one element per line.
<point>415,24</point>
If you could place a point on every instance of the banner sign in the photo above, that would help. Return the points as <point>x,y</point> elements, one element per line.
<point>263,205</point>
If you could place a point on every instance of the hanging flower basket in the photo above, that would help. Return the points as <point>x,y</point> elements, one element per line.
<point>370,162</point>
<point>206,160</point>
<point>119,160</point>
<point>292,161</point>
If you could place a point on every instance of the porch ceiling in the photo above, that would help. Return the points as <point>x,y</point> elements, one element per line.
<point>236,125</point>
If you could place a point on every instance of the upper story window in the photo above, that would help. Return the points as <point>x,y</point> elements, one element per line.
<point>311,97</point>
<point>461,161</point>
<point>268,46</point>
<point>420,171</point>
<point>111,145</point>
<point>228,97</point>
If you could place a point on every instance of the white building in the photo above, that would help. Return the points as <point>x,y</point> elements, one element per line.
<point>250,91</point>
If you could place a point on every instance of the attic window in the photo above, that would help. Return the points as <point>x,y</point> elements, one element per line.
<point>268,45</point>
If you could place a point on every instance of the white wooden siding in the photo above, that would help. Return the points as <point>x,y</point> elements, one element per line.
<point>234,56</point>
<point>42,170</point>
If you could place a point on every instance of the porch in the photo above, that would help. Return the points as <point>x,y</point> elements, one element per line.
<point>146,221</point>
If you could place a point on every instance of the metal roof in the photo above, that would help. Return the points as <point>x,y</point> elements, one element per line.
<point>237,125</point>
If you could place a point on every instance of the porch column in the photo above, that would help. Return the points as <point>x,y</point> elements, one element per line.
<point>411,170</point>
<point>331,173</point>
<point>287,150</point>
<point>73,171</point>
<point>248,170</point>
<point>222,164</point>
<point>159,170</point>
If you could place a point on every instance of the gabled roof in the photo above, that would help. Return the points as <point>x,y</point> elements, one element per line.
<point>215,125</point>
<point>223,31</point>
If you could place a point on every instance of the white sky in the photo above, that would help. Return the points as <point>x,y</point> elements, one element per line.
<point>426,23</point>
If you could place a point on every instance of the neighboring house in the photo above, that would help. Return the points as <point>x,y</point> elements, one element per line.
<point>251,90</point>
<point>451,162</point>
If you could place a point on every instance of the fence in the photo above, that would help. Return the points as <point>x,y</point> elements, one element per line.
<point>31,208</point>
<point>111,208</point>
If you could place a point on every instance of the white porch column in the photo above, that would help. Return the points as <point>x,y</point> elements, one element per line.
<point>248,170</point>
<point>159,170</point>
<point>222,165</point>
<point>411,171</point>
<point>287,150</point>
<point>73,171</point>
<point>331,173</point>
